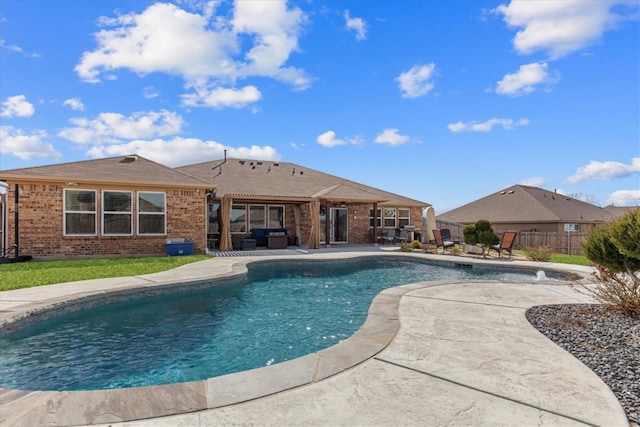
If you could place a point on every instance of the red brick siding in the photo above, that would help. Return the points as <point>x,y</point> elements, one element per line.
<point>41,224</point>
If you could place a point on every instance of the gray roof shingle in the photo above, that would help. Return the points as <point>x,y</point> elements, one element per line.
<point>524,204</point>
<point>268,179</point>
<point>130,169</point>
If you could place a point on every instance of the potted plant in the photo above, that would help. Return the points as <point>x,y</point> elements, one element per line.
<point>480,235</point>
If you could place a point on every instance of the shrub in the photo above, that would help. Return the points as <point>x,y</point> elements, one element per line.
<point>480,233</point>
<point>415,245</point>
<point>615,249</point>
<point>542,253</point>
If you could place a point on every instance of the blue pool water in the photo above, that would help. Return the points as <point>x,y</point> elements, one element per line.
<point>277,312</point>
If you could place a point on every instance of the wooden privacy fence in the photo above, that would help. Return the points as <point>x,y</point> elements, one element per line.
<point>561,243</point>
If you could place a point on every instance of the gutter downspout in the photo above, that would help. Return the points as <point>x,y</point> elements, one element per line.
<point>16,242</point>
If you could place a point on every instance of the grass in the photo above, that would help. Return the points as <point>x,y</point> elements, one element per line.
<point>37,273</point>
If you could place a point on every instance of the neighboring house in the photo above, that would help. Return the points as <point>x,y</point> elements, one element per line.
<point>310,205</point>
<point>530,209</point>
<point>125,205</point>
<point>129,205</point>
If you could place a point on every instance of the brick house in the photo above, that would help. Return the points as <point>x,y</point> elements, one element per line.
<point>124,205</point>
<point>129,205</point>
<point>309,204</point>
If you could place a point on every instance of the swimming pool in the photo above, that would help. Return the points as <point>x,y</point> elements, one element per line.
<point>278,311</point>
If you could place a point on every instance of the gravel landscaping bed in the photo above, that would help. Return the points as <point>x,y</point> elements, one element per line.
<point>605,341</point>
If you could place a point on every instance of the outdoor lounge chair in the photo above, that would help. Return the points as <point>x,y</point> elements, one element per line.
<point>388,235</point>
<point>403,237</point>
<point>446,236</point>
<point>506,243</point>
<point>440,242</point>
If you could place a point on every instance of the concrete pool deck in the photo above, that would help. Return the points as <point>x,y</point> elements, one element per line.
<point>430,353</point>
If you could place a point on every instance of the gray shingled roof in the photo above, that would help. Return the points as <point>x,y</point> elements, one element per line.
<point>272,179</point>
<point>524,204</point>
<point>131,169</point>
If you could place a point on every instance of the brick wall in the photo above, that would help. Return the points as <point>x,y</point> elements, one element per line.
<point>41,223</point>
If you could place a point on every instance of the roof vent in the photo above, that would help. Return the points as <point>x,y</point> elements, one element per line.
<point>276,164</point>
<point>259,163</point>
<point>241,162</point>
<point>510,192</point>
<point>129,159</point>
<point>503,192</point>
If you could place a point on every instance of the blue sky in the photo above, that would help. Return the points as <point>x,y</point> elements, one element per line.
<point>442,101</point>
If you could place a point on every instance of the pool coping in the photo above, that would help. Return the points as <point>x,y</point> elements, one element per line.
<point>105,406</point>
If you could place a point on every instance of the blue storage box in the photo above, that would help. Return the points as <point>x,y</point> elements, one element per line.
<point>182,248</point>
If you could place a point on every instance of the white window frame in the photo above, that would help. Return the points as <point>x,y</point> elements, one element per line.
<point>390,214</point>
<point>106,213</point>
<point>94,212</point>
<point>284,222</point>
<point>250,216</point>
<point>140,213</point>
<point>402,218</point>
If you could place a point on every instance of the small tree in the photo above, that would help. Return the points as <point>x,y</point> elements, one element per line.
<point>615,249</point>
<point>480,233</point>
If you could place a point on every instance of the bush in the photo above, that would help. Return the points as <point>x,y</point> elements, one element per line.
<point>615,249</point>
<point>480,233</point>
<point>415,245</point>
<point>543,253</point>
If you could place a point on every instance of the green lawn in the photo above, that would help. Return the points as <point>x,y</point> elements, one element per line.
<point>36,273</point>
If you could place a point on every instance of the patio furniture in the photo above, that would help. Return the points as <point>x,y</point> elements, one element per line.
<point>446,235</point>
<point>388,235</point>
<point>277,241</point>
<point>506,243</point>
<point>440,242</point>
<point>403,237</point>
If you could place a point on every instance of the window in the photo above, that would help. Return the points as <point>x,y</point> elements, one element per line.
<point>151,213</point>
<point>389,217</point>
<point>256,217</point>
<point>116,213</point>
<point>378,218</point>
<point>276,217</point>
<point>404,217</point>
<point>79,212</point>
<point>238,219</point>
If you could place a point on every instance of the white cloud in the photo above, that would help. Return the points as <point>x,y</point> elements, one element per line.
<point>222,98</point>
<point>624,198</point>
<point>559,27</point>
<point>534,181</point>
<point>181,151</point>
<point>487,126</point>
<point>150,92</point>
<point>391,137</point>
<point>275,29</point>
<point>605,170</point>
<point>417,81</point>
<point>17,106</point>
<point>525,79</point>
<point>74,103</point>
<point>115,127</point>
<point>356,24</point>
<point>24,146</point>
<point>200,48</point>
<point>328,139</point>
